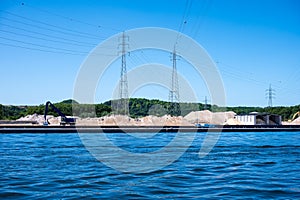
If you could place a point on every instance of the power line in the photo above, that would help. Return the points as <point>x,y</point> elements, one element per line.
<point>69,18</point>
<point>64,39</point>
<point>52,30</point>
<point>186,12</point>
<point>183,21</point>
<point>238,74</point>
<point>44,39</point>
<point>199,20</point>
<point>41,50</point>
<point>51,25</point>
<point>44,46</point>
<point>174,91</point>
<point>60,50</point>
<point>51,36</point>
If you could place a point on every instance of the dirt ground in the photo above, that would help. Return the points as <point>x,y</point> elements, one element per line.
<point>166,120</point>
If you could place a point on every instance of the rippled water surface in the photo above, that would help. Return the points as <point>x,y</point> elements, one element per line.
<point>241,165</point>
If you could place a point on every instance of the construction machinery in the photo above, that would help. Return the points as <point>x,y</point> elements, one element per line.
<point>295,115</point>
<point>64,119</point>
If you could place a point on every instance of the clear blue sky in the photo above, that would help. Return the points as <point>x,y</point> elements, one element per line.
<point>254,43</point>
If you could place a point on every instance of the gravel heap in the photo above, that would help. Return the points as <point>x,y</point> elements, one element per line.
<point>208,117</point>
<point>40,119</point>
<point>296,121</point>
<point>190,119</point>
<point>122,120</point>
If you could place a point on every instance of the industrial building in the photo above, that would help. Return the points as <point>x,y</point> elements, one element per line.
<point>256,118</point>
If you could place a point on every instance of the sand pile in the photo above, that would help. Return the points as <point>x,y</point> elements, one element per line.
<point>190,119</point>
<point>87,121</point>
<point>40,119</point>
<point>233,121</point>
<point>35,117</point>
<point>53,120</point>
<point>167,120</point>
<point>121,120</point>
<point>296,121</point>
<point>208,117</point>
<point>113,120</point>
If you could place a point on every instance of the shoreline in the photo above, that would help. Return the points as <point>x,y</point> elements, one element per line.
<point>143,129</point>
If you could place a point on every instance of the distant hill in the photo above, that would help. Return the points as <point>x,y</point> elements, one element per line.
<point>70,101</point>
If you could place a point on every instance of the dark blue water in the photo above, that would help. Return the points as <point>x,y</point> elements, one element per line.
<point>240,166</point>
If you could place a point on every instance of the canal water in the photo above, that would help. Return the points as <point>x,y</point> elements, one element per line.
<point>240,166</point>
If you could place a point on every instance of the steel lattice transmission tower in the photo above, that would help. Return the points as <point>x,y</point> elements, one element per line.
<point>270,94</point>
<point>174,108</point>
<point>122,107</point>
<point>205,103</point>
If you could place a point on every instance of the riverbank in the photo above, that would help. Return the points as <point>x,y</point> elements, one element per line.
<point>145,129</point>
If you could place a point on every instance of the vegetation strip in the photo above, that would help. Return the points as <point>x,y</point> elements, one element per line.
<point>138,107</point>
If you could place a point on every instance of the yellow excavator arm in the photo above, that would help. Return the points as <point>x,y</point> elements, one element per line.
<point>295,115</point>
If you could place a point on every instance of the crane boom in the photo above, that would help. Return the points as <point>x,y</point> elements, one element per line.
<point>295,115</point>
<point>64,119</point>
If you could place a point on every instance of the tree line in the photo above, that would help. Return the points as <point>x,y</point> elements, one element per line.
<point>138,107</point>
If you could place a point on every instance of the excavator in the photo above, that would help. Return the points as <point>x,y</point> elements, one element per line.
<point>295,115</point>
<point>64,119</point>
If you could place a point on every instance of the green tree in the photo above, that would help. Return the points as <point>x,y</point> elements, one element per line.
<point>1,112</point>
<point>102,110</point>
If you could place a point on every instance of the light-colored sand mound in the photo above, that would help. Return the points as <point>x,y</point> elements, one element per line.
<point>233,121</point>
<point>40,119</point>
<point>208,117</point>
<point>112,120</point>
<point>121,120</point>
<point>35,117</point>
<point>296,121</point>
<point>166,120</point>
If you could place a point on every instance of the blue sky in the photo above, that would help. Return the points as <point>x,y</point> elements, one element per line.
<point>254,43</point>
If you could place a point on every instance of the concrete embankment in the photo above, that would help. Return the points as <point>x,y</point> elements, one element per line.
<point>145,129</point>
